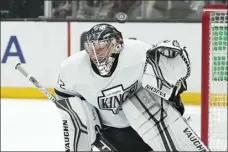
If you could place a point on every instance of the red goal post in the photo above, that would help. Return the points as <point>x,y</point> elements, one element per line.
<point>214,76</point>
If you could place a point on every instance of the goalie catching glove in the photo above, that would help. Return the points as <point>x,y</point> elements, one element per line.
<point>166,70</point>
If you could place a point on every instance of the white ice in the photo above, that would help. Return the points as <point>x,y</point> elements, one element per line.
<point>35,125</point>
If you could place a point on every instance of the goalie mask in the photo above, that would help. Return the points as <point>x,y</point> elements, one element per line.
<point>103,44</point>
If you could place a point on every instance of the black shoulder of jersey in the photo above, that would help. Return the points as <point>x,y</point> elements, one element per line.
<point>65,95</point>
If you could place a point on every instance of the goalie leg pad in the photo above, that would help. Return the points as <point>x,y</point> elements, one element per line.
<point>159,124</point>
<point>80,122</point>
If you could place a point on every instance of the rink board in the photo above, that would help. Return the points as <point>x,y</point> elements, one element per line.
<point>41,47</point>
<point>34,93</point>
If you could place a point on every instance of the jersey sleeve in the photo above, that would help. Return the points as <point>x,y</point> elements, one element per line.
<point>63,88</point>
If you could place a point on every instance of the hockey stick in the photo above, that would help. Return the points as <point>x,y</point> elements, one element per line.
<point>35,82</point>
<point>101,143</point>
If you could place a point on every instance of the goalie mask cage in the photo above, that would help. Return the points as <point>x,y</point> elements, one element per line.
<point>214,77</point>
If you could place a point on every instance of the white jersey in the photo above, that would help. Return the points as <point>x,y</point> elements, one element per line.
<point>77,78</point>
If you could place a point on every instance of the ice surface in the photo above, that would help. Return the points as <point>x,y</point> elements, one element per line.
<point>35,125</point>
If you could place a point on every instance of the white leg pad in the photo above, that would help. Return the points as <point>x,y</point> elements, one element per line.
<point>80,121</point>
<point>159,124</point>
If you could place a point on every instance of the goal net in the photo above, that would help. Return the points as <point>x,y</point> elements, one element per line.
<point>214,77</point>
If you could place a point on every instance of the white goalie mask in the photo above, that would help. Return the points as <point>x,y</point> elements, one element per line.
<point>103,43</point>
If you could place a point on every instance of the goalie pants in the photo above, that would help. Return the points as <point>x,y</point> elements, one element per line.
<point>125,139</point>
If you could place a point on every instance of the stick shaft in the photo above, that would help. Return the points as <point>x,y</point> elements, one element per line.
<point>35,82</point>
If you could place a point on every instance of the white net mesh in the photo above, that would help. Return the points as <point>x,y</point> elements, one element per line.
<point>217,132</point>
